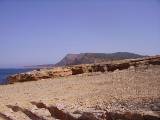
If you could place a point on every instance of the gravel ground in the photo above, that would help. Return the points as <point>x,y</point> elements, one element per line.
<point>131,89</point>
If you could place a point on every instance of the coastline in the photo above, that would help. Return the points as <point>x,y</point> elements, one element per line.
<point>5,72</point>
<point>84,91</point>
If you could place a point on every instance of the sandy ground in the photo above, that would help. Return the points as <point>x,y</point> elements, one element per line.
<point>86,90</point>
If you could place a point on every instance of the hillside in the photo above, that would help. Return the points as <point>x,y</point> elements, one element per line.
<point>87,58</point>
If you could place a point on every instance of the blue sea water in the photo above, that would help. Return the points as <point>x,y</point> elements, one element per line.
<point>4,73</point>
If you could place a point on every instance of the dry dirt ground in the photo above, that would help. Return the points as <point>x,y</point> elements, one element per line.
<point>119,90</point>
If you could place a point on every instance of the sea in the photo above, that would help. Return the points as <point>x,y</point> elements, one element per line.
<point>4,73</point>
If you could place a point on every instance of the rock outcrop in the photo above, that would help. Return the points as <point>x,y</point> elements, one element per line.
<point>40,74</point>
<point>84,68</point>
<point>42,111</point>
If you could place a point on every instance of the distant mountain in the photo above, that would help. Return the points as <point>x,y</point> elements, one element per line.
<point>87,58</point>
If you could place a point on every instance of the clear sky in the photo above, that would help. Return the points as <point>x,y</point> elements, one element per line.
<point>43,31</point>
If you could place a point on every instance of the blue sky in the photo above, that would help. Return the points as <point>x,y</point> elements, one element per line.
<point>43,31</point>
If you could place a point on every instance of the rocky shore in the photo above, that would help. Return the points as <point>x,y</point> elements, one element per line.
<point>84,68</point>
<point>119,90</point>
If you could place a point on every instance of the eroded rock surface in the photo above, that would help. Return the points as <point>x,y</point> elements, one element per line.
<point>40,74</point>
<point>85,68</point>
<point>42,111</point>
<point>129,94</point>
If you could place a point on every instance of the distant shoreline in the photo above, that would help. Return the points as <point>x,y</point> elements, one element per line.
<point>5,72</point>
